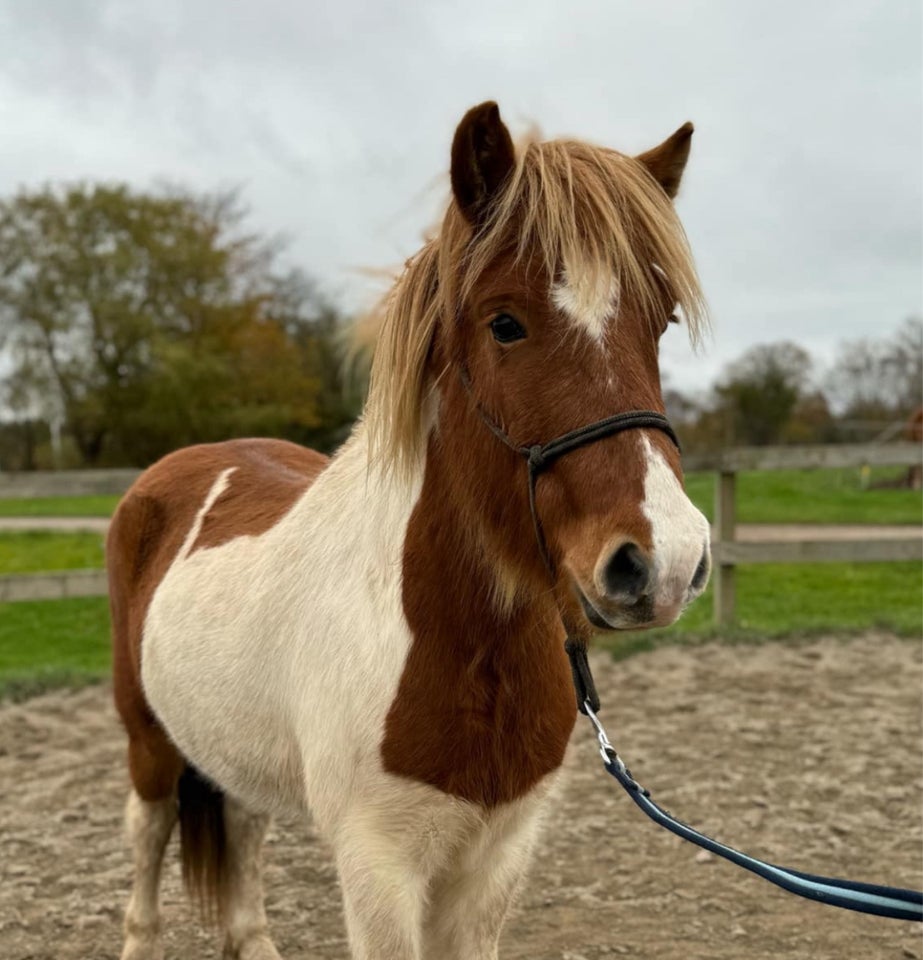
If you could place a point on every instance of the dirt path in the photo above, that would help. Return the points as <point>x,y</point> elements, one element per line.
<point>808,754</point>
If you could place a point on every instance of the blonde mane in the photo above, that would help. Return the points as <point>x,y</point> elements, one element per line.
<point>583,210</point>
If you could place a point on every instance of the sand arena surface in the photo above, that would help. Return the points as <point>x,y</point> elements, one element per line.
<point>806,754</point>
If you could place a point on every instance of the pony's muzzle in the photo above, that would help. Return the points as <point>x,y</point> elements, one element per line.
<point>633,588</point>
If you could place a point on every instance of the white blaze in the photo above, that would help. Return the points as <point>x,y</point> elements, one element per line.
<point>679,531</point>
<point>589,297</point>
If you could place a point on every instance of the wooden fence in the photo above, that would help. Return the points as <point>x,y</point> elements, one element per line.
<point>727,551</point>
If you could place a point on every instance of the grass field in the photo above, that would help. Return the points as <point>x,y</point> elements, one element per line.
<point>785,600</point>
<point>58,507</point>
<point>59,642</point>
<point>52,643</point>
<point>35,551</point>
<point>812,496</point>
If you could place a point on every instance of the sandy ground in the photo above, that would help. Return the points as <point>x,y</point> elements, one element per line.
<point>809,755</point>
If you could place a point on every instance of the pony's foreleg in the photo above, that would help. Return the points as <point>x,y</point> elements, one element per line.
<point>470,899</point>
<point>149,827</point>
<point>246,933</point>
<point>383,893</point>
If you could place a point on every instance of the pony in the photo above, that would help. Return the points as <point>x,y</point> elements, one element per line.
<point>376,638</point>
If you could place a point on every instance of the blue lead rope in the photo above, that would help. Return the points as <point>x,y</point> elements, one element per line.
<point>863,897</point>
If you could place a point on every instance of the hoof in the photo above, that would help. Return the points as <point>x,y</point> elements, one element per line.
<point>142,948</point>
<point>253,948</point>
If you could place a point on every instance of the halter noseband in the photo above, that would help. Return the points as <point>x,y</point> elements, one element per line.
<point>539,456</point>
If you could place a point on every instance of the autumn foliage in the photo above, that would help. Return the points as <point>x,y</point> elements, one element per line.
<point>140,322</point>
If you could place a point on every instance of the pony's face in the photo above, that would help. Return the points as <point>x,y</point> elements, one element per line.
<point>542,353</point>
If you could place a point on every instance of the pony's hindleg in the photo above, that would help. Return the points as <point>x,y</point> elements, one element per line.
<point>150,824</point>
<point>244,917</point>
<point>470,899</point>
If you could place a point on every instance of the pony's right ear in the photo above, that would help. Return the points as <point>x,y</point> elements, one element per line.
<point>667,162</point>
<point>482,158</point>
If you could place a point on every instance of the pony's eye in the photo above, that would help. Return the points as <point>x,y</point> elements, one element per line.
<point>506,329</point>
<point>673,318</point>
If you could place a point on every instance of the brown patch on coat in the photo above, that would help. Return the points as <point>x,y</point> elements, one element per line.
<point>146,533</point>
<point>485,706</point>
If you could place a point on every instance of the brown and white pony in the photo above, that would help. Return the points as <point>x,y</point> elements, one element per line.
<point>375,638</point>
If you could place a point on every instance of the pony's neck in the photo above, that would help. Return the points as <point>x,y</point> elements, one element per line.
<point>485,705</point>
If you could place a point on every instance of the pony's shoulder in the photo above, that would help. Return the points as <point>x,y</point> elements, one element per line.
<point>219,490</point>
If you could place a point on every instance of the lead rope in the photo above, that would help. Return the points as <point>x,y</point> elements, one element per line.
<point>894,902</point>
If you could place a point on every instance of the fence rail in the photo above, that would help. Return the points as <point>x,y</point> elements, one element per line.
<point>728,552</point>
<point>739,459</point>
<point>56,585</point>
<point>65,483</point>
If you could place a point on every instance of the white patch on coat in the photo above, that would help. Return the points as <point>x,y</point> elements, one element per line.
<point>296,636</point>
<point>217,488</point>
<point>149,825</point>
<point>244,921</point>
<point>272,662</point>
<point>679,530</point>
<point>589,297</point>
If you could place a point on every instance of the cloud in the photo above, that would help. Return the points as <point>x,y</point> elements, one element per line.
<point>802,199</point>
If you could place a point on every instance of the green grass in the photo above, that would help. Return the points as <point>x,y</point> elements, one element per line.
<point>811,496</point>
<point>780,496</point>
<point>47,644</point>
<point>59,507</point>
<point>38,551</point>
<point>66,642</point>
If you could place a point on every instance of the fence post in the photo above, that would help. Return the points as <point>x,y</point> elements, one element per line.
<point>725,523</point>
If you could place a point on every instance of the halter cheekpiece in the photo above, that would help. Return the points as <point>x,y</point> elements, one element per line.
<point>539,456</point>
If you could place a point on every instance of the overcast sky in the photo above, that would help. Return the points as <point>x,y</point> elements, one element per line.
<point>802,198</point>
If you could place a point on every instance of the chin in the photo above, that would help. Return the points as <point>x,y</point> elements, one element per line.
<point>639,616</point>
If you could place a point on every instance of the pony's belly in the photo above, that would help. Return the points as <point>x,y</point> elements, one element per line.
<point>214,678</point>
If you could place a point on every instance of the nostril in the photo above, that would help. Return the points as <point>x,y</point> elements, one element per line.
<point>626,575</point>
<point>701,573</point>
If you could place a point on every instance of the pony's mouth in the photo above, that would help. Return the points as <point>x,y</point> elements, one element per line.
<point>633,617</point>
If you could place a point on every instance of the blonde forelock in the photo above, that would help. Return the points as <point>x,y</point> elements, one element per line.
<point>582,210</point>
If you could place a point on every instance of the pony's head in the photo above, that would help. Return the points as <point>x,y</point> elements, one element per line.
<point>539,306</point>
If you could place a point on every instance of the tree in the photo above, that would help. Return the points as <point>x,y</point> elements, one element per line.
<point>148,321</point>
<point>317,328</point>
<point>880,380</point>
<point>758,393</point>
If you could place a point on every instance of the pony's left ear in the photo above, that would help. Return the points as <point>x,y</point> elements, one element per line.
<point>668,161</point>
<point>482,158</point>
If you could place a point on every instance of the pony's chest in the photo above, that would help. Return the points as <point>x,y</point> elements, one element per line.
<point>490,739</point>
<point>485,705</point>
